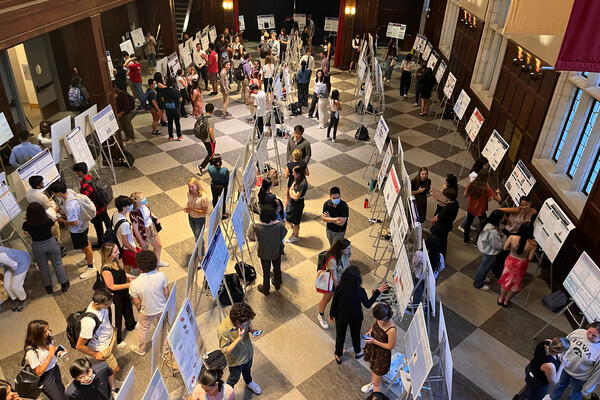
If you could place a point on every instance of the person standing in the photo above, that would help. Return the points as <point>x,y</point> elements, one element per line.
<point>124,111</point>
<point>310,60</point>
<point>124,233</point>
<point>79,97</point>
<point>15,263</point>
<point>40,354</point>
<point>427,83</point>
<point>199,57</point>
<point>196,207</point>
<point>420,187</point>
<point>335,107</point>
<point>151,51</point>
<point>144,225</point>
<point>336,259</point>
<point>335,215</point>
<point>311,30</point>
<point>172,99</point>
<point>418,75</point>
<point>436,258</point>
<point>37,195</point>
<point>303,79</point>
<point>160,86</point>
<point>480,164</point>
<point>324,101</point>
<point>149,293</point>
<point>356,43</point>
<point>319,81</point>
<point>389,59</point>
<point>324,64</point>
<point>78,225</point>
<point>443,220</point>
<point>295,206</point>
<point>225,88</point>
<point>522,249</point>
<point>246,82</point>
<point>479,193</point>
<point>299,142</point>
<point>87,189</point>
<point>327,50</point>
<point>346,310</point>
<point>182,86</point>
<point>212,65</point>
<point>234,335</point>
<point>489,243</point>
<point>268,71</point>
<point>135,76</point>
<point>210,141</point>
<point>406,67</point>
<point>296,161</point>
<point>379,344</point>
<point>95,382</point>
<point>155,111</point>
<point>274,44</point>
<point>270,235</point>
<point>196,97</point>
<point>24,151</point>
<point>219,180</point>
<point>260,104</point>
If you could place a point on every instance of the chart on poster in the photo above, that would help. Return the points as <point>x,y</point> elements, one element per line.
<point>79,148</point>
<point>439,74</point>
<point>583,285</point>
<point>157,390</point>
<point>495,149</point>
<point>449,86</point>
<point>395,31</point>
<point>138,38</point>
<point>433,59</point>
<point>266,21</point>
<point>551,228</point>
<point>387,157</point>
<point>381,134</point>
<point>173,64</point>
<point>215,261</point>
<point>403,282</point>
<point>9,207</point>
<point>105,123</point>
<point>462,102</point>
<point>41,164</point>
<point>420,43</point>
<point>391,189</point>
<point>519,183</point>
<point>331,24</point>
<point>474,124</point>
<point>5,131</point>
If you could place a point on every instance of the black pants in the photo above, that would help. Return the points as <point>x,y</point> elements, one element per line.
<point>216,191</point>
<point>210,152</point>
<point>184,100</point>
<point>333,122</point>
<point>53,386</point>
<point>173,116</point>
<point>470,219</point>
<point>97,222</point>
<point>266,266</point>
<point>340,336</point>
<point>418,92</point>
<point>260,124</point>
<point>313,105</point>
<point>303,95</point>
<point>404,83</point>
<point>244,370</point>
<point>123,310</point>
<point>441,232</point>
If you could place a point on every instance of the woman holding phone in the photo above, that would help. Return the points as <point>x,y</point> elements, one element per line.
<point>380,340</point>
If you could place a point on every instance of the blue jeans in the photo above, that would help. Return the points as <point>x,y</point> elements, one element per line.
<point>244,370</point>
<point>196,224</point>
<point>152,60</point>
<point>387,68</point>
<point>487,262</point>
<point>418,293</point>
<point>565,380</point>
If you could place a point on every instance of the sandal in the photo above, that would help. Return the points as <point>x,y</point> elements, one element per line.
<point>506,305</point>
<point>337,359</point>
<point>499,302</point>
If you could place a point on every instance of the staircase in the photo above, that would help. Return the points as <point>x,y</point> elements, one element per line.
<point>181,7</point>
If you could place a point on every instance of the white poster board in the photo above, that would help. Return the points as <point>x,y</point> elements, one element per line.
<point>474,125</point>
<point>398,227</point>
<point>138,38</point>
<point>84,120</point>
<point>111,66</point>
<point>391,189</point>
<point>460,107</point>
<point>183,339</point>
<point>301,20</point>
<point>427,51</point>
<point>173,64</point>
<point>381,134</point>
<point>520,182</point>
<point>161,66</point>
<point>190,45</point>
<point>159,338</point>
<point>105,123</point>
<point>41,164</point>
<point>368,91</point>
<point>387,157</point>
<point>418,351</point>
<point>79,148</point>
<point>551,228</point>
<point>403,282</point>
<point>240,219</point>
<point>277,87</point>
<point>215,217</point>
<point>242,23</point>
<point>362,67</point>
<point>157,390</point>
<point>249,177</point>
<point>439,74</point>
<point>262,154</point>
<point>5,131</point>
<point>127,389</point>
<point>447,359</point>
<point>583,285</point>
<point>9,207</point>
<point>186,57</point>
<point>215,261</point>
<point>127,46</point>
<point>495,149</point>
<point>212,34</point>
<point>232,175</point>
<point>193,266</point>
<point>449,86</point>
<point>204,41</point>
<point>58,130</point>
<point>433,59</point>
<point>429,280</point>
<point>266,21</point>
<point>395,31</point>
<point>420,43</point>
<point>331,24</point>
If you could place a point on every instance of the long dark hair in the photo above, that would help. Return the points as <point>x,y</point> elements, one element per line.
<point>317,76</point>
<point>335,95</point>
<point>159,78</point>
<point>211,377</point>
<point>350,281</point>
<point>337,248</point>
<point>451,181</point>
<point>35,215</point>
<point>4,385</point>
<point>477,188</point>
<point>525,232</point>
<point>36,335</point>
<point>266,185</point>
<point>299,169</point>
<point>434,250</point>
<point>478,165</point>
<point>494,219</point>
<point>417,179</point>
<point>327,81</point>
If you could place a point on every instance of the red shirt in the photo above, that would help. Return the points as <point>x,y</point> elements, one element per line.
<point>212,64</point>
<point>135,72</point>
<point>479,206</point>
<point>88,190</point>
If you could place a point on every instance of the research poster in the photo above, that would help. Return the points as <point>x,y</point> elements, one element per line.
<point>362,67</point>
<point>449,86</point>
<point>583,285</point>
<point>428,50</point>
<point>418,351</point>
<point>184,53</point>
<point>173,64</point>
<point>420,43</point>
<point>58,130</point>
<point>381,134</point>
<point>439,74</point>
<point>474,124</point>
<point>212,34</point>
<point>462,102</point>
<point>9,207</point>
<point>242,23</point>
<point>215,261</point>
<point>301,20</point>
<point>249,177</point>
<point>127,46</point>
<point>387,157</point>
<point>105,123</point>
<point>331,24</point>
<point>183,339</point>
<point>215,217</point>
<point>520,182</point>
<point>495,149</point>
<point>368,90</point>
<point>240,219</point>
<point>551,228</point>
<point>395,31</point>
<point>232,177</point>
<point>433,59</point>
<point>403,282</point>
<point>398,226</point>
<point>79,148</point>
<point>41,164</point>
<point>157,390</point>
<point>84,120</point>
<point>266,21</point>
<point>391,189</point>
<point>5,131</point>
<point>193,263</point>
<point>204,40</point>
<point>429,280</point>
<point>127,389</point>
<point>138,38</point>
<point>447,359</point>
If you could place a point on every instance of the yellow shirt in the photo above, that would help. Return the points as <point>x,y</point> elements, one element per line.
<point>243,351</point>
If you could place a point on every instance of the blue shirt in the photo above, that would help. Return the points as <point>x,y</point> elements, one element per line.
<point>22,153</point>
<point>219,176</point>
<point>22,258</point>
<point>304,77</point>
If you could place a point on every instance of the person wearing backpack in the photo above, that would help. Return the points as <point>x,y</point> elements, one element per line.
<point>270,235</point>
<point>209,140</point>
<point>123,232</point>
<point>91,189</point>
<point>78,222</point>
<point>336,260</point>
<point>151,104</point>
<point>246,81</point>
<point>97,336</point>
<point>124,108</point>
<point>172,98</point>
<point>78,95</point>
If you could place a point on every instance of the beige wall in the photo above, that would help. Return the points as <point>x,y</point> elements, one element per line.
<point>476,7</point>
<point>26,89</point>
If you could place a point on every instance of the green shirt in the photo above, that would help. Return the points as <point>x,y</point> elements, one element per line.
<point>243,351</point>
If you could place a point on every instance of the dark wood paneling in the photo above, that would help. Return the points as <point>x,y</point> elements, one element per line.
<point>435,21</point>
<point>402,12</point>
<point>114,25</point>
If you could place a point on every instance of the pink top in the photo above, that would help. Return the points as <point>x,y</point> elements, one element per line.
<point>200,394</point>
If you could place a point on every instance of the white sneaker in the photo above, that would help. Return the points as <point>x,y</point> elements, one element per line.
<point>307,116</point>
<point>322,321</point>
<point>415,104</point>
<point>485,288</point>
<point>162,264</point>
<point>487,280</point>
<point>122,346</point>
<point>137,350</point>
<point>460,228</point>
<point>83,262</point>
<point>254,387</point>
<point>137,326</point>
<point>292,239</point>
<point>367,388</point>
<point>547,397</point>
<point>88,273</point>
<point>332,140</point>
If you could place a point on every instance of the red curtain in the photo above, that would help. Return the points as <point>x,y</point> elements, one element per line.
<point>236,13</point>
<point>340,34</point>
<point>579,50</point>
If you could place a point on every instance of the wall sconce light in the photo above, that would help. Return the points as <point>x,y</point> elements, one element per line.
<point>350,10</point>
<point>228,5</point>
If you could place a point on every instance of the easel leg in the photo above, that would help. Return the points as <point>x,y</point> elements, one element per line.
<point>555,318</point>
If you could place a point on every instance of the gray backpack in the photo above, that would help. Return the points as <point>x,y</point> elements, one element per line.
<point>555,301</point>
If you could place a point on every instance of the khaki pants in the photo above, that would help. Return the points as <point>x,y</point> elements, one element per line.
<point>109,352</point>
<point>245,93</point>
<point>225,102</point>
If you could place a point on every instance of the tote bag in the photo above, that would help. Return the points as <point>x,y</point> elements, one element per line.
<point>324,283</point>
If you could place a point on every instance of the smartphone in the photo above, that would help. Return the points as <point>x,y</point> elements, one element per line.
<point>256,333</point>
<point>366,337</point>
<point>60,349</point>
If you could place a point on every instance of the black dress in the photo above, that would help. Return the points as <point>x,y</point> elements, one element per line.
<point>379,358</point>
<point>296,207</point>
<point>421,198</point>
<point>122,302</point>
<point>536,382</point>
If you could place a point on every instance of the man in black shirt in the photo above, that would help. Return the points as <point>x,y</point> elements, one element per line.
<point>91,383</point>
<point>335,213</point>
<point>171,98</point>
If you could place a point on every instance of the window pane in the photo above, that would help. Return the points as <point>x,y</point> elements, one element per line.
<point>585,74</point>
<point>593,175</point>
<point>583,140</point>
<point>565,130</point>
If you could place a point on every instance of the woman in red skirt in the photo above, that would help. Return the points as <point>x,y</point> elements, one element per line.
<point>522,248</point>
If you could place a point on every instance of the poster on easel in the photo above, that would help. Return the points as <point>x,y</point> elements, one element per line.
<point>448,363</point>
<point>403,282</point>
<point>190,45</point>
<point>429,279</point>
<point>427,51</point>
<point>205,29</point>
<point>5,131</point>
<point>183,339</point>
<point>368,91</point>
<point>242,23</point>
<point>462,102</point>
<point>127,389</point>
<point>41,164</point>
<point>449,86</point>
<point>439,74</point>
<point>249,177</point>
<point>157,390</point>
<point>138,38</point>
<point>420,43</point>
<point>395,31</point>
<point>84,120</point>
<point>193,263</point>
<point>240,220</point>
<point>215,217</point>
<point>301,20</point>
<point>433,59</point>
<point>204,41</point>
<point>58,130</point>
<point>391,189</point>
<point>9,207</point>
<point>495,149</point>
<point>111,66</point>
<point>418,352</point>
<point>105,123</point>
<point>79,148</point>
<point>519,183</point>
<point>173,64</point>
<point>362,67</point>
<point>381,134</point>
<point>582,284</point>
<point>387,157</point>
<point>159,337</point>
<point>474,124</point>
<point>184,53</point>
<point>266,21</point>
<point>215,262</point>
<point>331,24</point>
<point>398,225</point>
<point>212,34</point>
<point>551,228</point>
<point>161,66</point>
<point>262,154</point>
<point>127,46</point>
<point>232,177</point>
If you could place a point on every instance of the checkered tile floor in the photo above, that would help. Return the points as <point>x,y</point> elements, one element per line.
<point>294,356</point>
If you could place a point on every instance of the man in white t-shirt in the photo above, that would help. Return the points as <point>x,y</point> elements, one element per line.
<point>149,292</point>
<point>199,56</point>
<point>124,233</point>
<point>260,106</point>
<point>98,338</point>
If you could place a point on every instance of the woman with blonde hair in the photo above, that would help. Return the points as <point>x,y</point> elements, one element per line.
<point>144,225</point>
<point>196,207</point>
<point>117,282</point>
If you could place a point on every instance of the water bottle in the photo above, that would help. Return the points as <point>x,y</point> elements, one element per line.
<point>371,185</point>
<point>366,204</point>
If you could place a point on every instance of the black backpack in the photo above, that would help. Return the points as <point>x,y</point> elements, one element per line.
<point>74,325</point>
<point>110,235</point>
<point>239,72</point>
<point>362,133</point>
<point>321,260</point>
<point>265,50</point>
<point>249,271</point>
<point>102,190</point>
<point>201,128</point>
<point>235,287</point>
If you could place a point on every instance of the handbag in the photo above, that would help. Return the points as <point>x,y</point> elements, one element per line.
<point>157,224</point>
<point>27,383</point>
<point>324,283</point>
